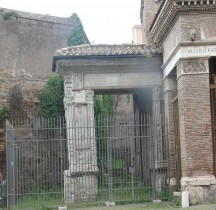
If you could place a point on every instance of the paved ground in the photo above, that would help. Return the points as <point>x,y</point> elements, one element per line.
<point>149,207</point>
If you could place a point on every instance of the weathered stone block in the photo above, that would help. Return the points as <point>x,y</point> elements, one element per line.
<point>82,188</point>
<point>196,195</point>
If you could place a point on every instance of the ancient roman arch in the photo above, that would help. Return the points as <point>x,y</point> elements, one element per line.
<point>89,69</point>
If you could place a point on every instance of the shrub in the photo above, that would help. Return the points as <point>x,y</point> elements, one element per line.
<point>51,98</point>
<point>3,113</point>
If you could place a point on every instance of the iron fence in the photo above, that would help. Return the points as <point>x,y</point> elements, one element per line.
<point>51,162</point>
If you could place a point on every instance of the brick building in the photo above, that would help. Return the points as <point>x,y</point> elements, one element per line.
<point>185,32</point>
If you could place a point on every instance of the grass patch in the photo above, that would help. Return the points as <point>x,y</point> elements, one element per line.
<point>121,193</point>
<point>40,201</point>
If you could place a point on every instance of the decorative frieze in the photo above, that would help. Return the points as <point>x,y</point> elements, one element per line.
<point>187,3</point>
<point>192,67</point>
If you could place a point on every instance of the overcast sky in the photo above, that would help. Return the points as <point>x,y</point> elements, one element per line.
<point>105,21</point>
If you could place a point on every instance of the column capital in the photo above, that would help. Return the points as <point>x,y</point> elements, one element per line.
<point>192,66</point>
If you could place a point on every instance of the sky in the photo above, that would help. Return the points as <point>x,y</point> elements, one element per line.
<point>104,21</point>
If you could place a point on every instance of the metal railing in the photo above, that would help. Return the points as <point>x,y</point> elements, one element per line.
<point>117,158</point>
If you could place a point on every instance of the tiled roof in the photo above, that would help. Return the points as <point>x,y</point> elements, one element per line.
<point>107,49</point>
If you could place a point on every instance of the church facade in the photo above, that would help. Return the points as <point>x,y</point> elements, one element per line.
<point>185,32</point>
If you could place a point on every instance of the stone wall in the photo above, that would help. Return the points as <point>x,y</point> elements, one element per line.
<point>27,44</point>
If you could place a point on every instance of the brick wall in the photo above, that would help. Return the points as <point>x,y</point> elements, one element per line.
<point>181,31</point>
<point>195,122</point>
<point>172,40</point>
<point>149,11</point>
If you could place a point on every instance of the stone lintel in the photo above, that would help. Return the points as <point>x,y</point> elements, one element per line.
<point>76,83</point>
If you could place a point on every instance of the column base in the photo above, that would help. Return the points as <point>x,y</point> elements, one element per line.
<point>80,188</point>
<point>201,189</point>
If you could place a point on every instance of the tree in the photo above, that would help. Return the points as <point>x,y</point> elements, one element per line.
<point>77,35</point>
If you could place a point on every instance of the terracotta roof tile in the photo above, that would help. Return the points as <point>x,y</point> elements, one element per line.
<point>106,49</point>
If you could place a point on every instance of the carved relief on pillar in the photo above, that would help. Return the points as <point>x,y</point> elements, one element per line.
<point>156,115</point>
<point>81,142</point>
<point>89,96</point>
<point>75,79</point>
<point>77,96</point>
<point>69,96</point>
<point>67,77</point>
<point>192,67</point>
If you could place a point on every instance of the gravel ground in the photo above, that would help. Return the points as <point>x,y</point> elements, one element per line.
<point>149,207</point>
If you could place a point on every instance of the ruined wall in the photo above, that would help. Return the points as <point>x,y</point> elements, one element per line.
<point>28,42</point>
<point>27,45</point>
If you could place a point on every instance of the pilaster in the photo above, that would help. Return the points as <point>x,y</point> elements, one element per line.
<point>158,144</point>
<point>195,124</point>
<point>169,94</point>
<point>80,180</point>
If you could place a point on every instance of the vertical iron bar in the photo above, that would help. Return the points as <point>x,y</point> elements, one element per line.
<point>132,140</point>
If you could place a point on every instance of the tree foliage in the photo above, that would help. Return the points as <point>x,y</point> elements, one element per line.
<point>77,35</point>
<point>103,105</point>
<point>4,111</point>
<point>51,98</point>
<point>52,95</point>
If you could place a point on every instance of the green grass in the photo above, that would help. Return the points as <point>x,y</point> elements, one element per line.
<point>49,199</point>
<point>121,194</point>
<point>39,201</point>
